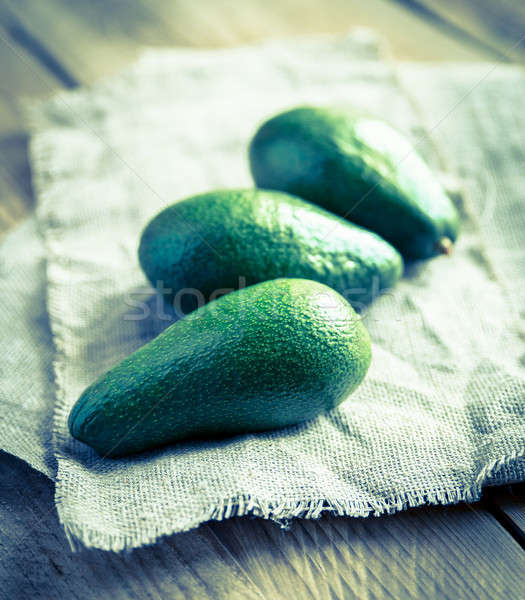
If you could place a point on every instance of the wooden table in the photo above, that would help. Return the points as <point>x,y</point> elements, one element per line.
<point>466,551</point>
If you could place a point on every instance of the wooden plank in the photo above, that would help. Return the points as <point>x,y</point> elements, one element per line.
<point>497,25</point>
<point>515,512</point>
<point>508,506</point>
<point>223,22</point>
<point>36,560</point>
<point>16,190</point>
<point>22,77</point>
<point>87,39</point>
<point>455,552</point>
<point>427,553</point>
<point>92,40</point>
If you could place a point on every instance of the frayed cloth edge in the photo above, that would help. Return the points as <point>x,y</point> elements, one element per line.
<point>283,512</point>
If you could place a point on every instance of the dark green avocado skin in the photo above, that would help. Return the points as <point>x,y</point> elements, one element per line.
<point>271,355</point>
<point>207,242</point>
<point>357,167</point>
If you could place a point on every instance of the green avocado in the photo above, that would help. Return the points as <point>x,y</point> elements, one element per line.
<point>212,243</point>
<point>360,168</point>
<point>271,355</point>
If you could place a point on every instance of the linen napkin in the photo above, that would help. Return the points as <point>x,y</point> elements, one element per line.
<point>440,413</point>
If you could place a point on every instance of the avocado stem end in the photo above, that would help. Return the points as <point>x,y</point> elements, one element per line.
<point>444,246</point>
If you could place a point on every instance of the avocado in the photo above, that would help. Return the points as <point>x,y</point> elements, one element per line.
<point>360,168</point>
<point>271,355</point>
<point>218,241</point>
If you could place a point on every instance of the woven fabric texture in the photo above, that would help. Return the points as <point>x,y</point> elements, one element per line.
<point>440,413</point>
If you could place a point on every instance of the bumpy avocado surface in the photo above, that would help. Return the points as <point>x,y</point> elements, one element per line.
<point>360,168</point>
<point>233,238</point>
<point>271,355</point>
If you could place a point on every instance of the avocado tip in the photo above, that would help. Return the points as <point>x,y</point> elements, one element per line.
<point>444,246</point>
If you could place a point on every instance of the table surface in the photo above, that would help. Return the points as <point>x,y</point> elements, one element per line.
<point>465,551</point>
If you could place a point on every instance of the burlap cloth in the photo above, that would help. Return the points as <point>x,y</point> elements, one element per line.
<point>440,414</point>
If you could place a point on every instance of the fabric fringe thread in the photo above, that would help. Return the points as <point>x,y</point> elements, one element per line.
<point>283,512</point>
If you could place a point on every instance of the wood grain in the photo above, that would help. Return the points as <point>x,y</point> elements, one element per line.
<point>93,39</point>
<point>22,76</point>
<point>427,553</point>
<point>16,190</point>
<point>456,552</point>
<point>508,506</point>
<point>499,26</point>
<point>36,560</point>
<point>514,510</point>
